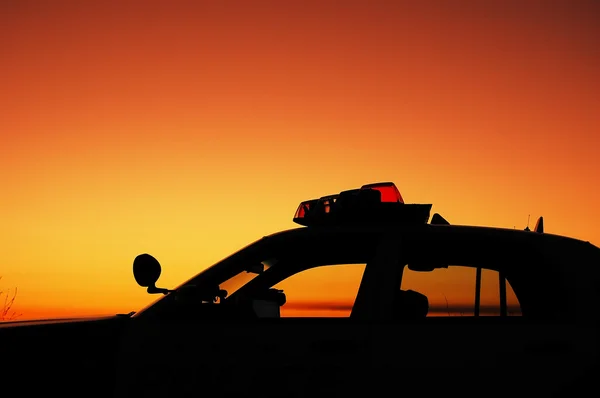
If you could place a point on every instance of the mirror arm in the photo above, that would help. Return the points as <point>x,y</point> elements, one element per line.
<point>155,290</point>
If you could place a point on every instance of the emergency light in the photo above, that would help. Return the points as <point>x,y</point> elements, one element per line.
<point>372,203</point>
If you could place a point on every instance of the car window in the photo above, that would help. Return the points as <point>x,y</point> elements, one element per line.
<point>324,291</point>
<point>451,291</point>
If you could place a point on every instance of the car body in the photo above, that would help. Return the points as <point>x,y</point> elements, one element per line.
<point>224,330</point>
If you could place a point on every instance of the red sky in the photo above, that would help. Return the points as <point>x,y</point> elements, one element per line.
<point>189,129</point>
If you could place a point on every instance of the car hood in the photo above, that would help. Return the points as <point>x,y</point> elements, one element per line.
<point>51,321</point>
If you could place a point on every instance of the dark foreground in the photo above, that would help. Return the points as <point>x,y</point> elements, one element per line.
<point>287,357</point>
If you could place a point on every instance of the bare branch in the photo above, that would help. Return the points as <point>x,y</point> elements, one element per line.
<point>6,311</point>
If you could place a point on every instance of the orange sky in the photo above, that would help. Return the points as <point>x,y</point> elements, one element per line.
<point>190,130</point>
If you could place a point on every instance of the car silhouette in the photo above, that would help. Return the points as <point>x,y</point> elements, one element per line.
<point>246,326</point>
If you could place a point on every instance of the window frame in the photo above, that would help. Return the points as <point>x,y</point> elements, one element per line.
<point>376,285</point>
<point>520,259</point>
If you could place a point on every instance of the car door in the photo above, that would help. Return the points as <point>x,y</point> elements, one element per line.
<point>293,355</point>
<point>473,355</point>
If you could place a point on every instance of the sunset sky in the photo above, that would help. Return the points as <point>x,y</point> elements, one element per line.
<point>189,129</point>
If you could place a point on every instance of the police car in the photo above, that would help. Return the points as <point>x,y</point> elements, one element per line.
<point>255,323</point>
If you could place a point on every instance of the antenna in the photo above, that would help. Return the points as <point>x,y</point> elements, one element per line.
<point>527,227</point>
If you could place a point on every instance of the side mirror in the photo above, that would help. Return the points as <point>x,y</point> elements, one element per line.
<point>146,271</point>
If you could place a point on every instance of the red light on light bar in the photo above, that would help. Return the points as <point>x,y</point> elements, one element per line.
<point>389,192</point>
<point>304,208</point>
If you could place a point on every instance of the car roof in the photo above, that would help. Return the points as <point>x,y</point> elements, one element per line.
<point>447,230</point>
<point>451,244</point>
<point>502,242</point>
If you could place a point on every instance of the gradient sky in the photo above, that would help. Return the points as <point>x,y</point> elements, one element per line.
<point>189,129</point>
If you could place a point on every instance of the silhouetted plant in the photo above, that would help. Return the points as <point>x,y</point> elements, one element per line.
<point>447,305</point>
<point>6,312</point>
<point>461,313</point>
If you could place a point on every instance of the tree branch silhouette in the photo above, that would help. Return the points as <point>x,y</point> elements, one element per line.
<point>6,312</point>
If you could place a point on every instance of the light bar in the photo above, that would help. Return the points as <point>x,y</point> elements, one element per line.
<point>372,203</point>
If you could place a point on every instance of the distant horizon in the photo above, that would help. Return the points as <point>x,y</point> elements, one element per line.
<point>307,307</point>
